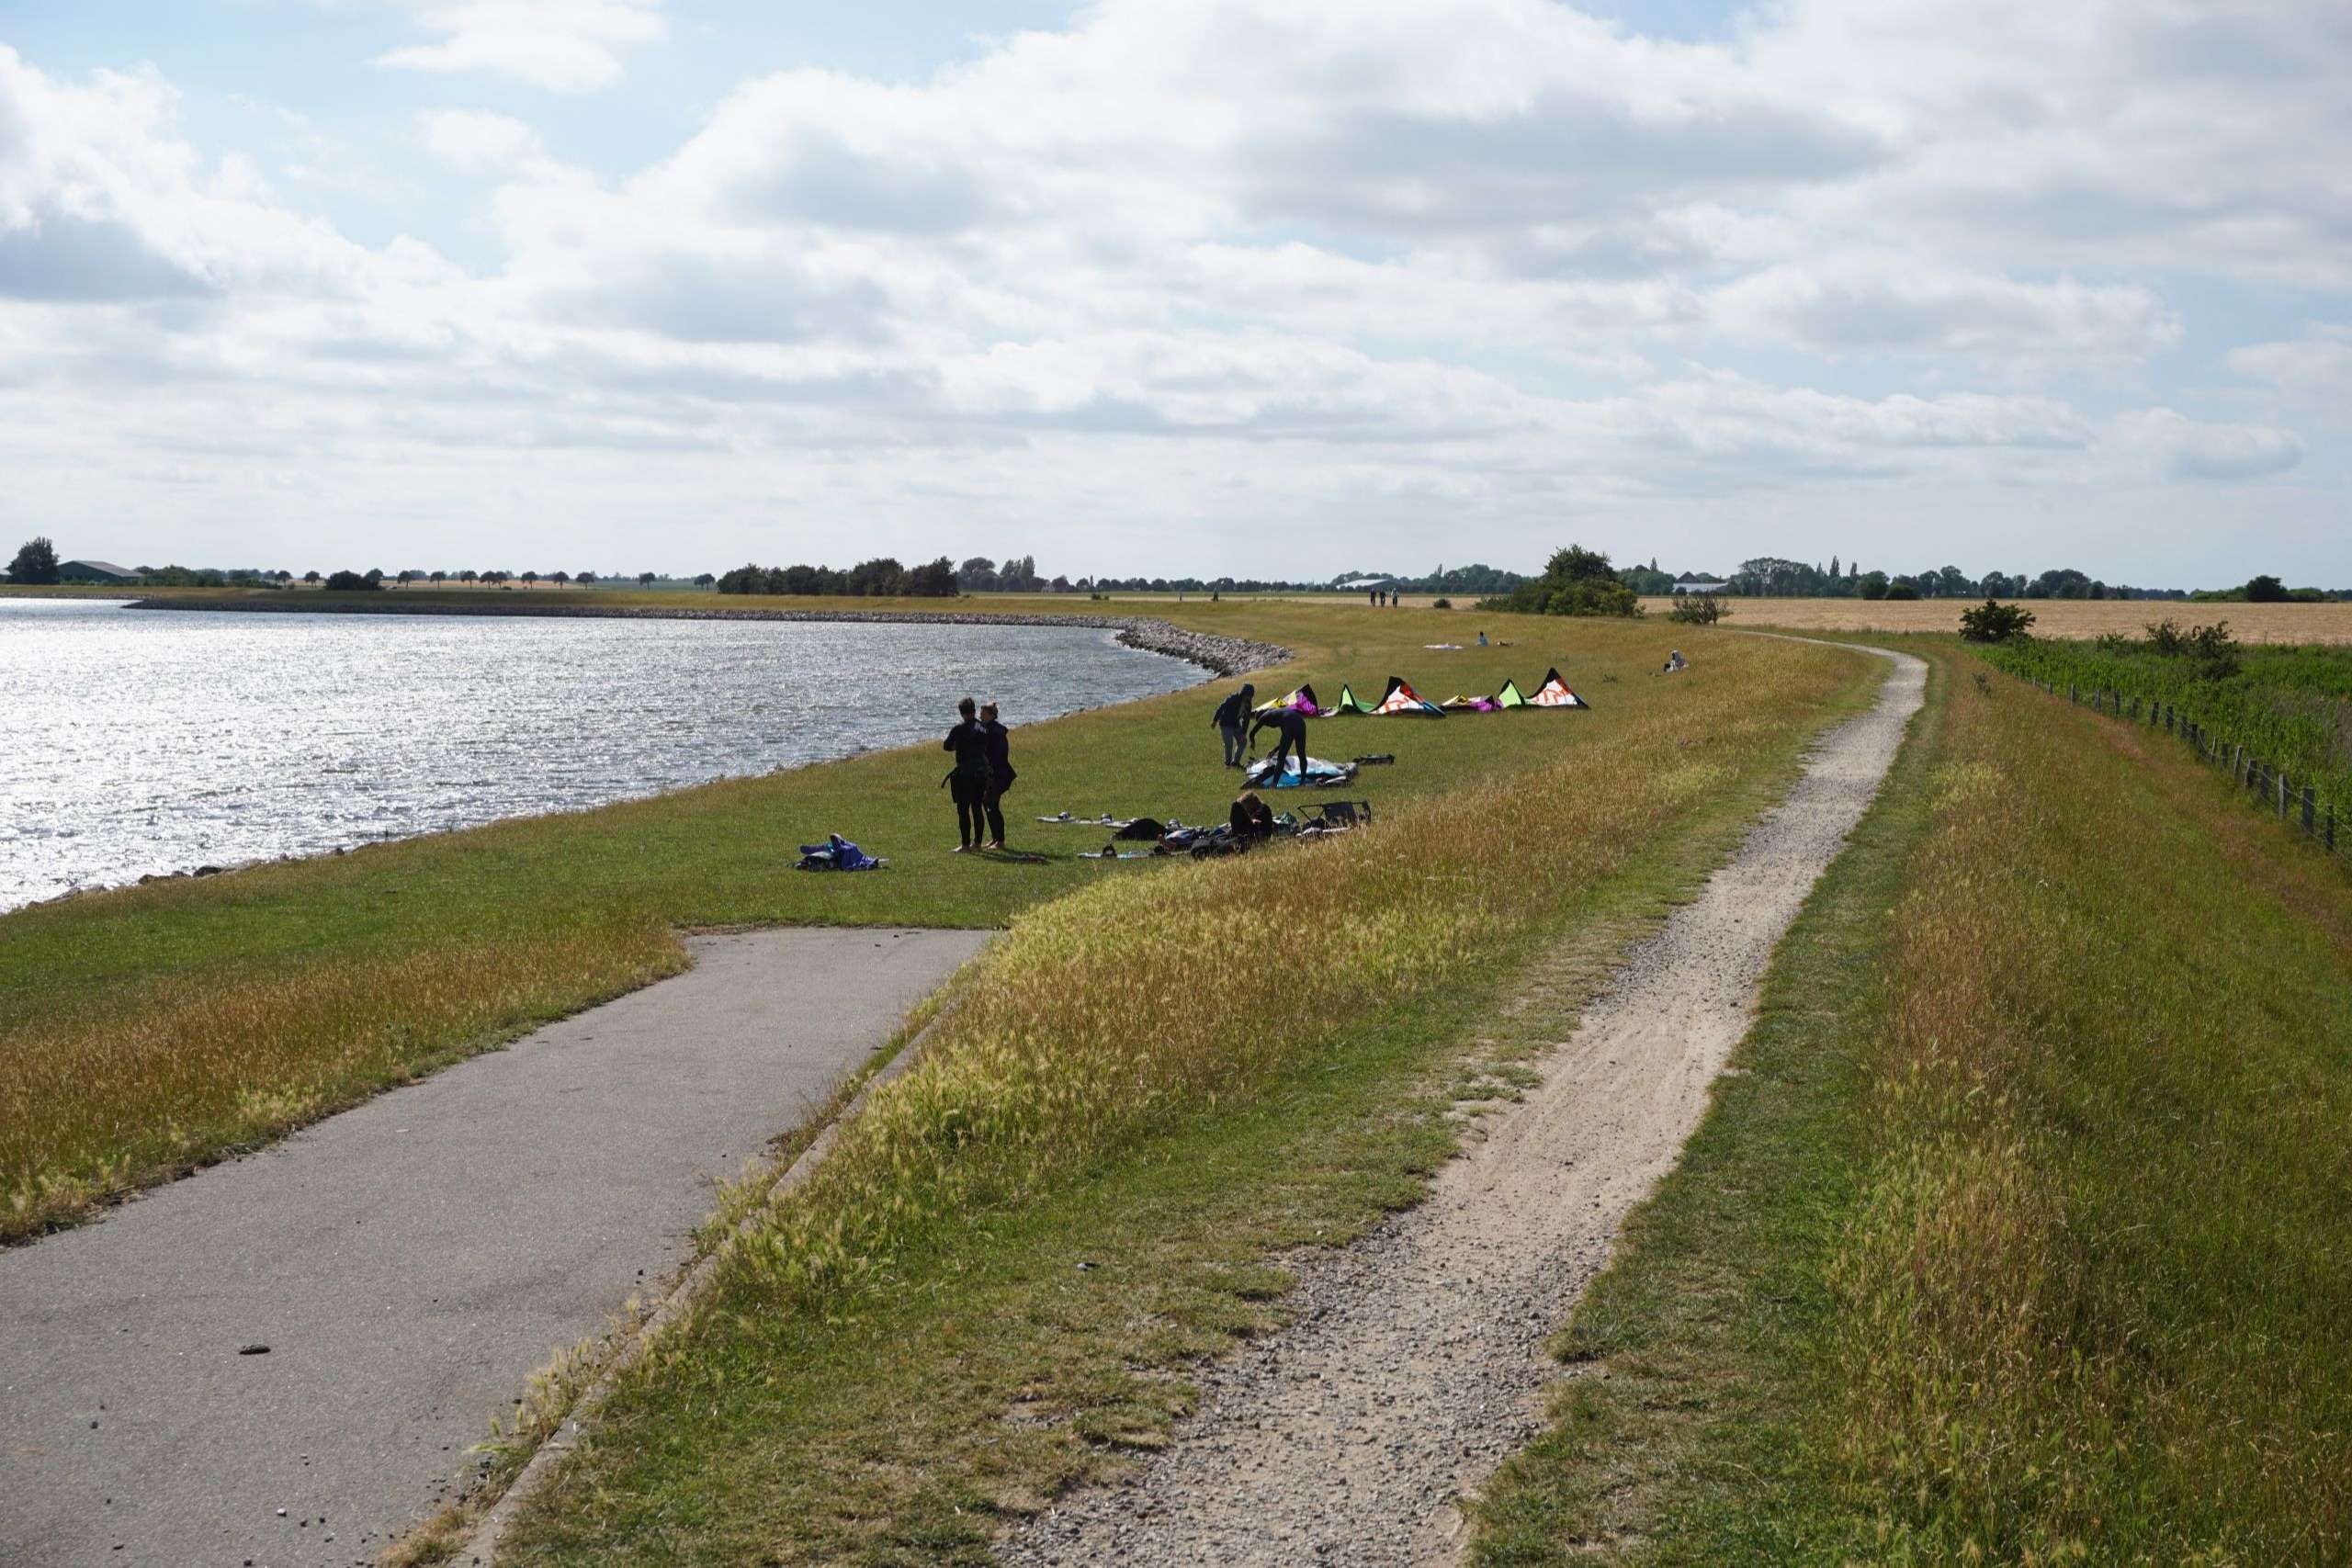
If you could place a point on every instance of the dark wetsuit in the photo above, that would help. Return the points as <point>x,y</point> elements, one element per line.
<point>1251,821</point>
<point>1292,726</point>
<point>1001,776</point>
<point>1232,715</point>
<point>970,783</point>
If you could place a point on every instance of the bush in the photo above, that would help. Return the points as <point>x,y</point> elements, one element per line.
<point>1900,590</point>
<point>352,582</point>
<point>2211,649</point>
<point>1995,622</point>
<point>1440,602</point>
<point>1697,610</point>
<point>1576,581</point>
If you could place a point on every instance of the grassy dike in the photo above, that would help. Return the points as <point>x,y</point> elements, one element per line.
<point>1147,1091</point>
<point>146,1031</point>
<point>2023,1230</point>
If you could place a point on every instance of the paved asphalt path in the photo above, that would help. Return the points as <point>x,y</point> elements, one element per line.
<point>409,1263</point>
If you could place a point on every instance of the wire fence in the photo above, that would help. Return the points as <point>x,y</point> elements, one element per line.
<point>2271,785</point>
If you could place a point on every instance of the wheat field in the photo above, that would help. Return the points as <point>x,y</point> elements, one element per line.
<point>2052,617</point>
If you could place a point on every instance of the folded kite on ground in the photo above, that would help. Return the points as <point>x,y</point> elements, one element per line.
<point>1403,701</point>
<point>1348,702</point>
<point>1509,696</point>
<point>1473,705</point>
<point>1317,775</point>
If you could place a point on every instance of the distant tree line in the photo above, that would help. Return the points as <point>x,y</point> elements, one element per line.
<point>880,578</point>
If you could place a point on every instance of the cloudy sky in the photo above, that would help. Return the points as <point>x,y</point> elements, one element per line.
<point>1212,285</point>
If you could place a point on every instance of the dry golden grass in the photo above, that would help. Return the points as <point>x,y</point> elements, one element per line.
<point>2025,1234</point>
<point>92,1105</point>
<point>2093,1299</point>
<point>844,1395</point>
<point>2052,617</point>
<point>1101,1012</point>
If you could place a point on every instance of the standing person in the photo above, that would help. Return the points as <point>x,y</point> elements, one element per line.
<point>1291,725</point>
<point>1000,774</point>
<point>968,780</point>
<point>1232,715</point>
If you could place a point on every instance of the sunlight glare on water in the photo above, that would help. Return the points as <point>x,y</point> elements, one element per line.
<point>137,742</point>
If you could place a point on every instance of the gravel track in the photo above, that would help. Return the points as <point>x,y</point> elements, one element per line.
<point>1416,1363</point>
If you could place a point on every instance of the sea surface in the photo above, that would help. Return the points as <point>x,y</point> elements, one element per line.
<point>146,741</point>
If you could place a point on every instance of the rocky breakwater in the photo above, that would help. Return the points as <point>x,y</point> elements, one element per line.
<point>1219,655</point>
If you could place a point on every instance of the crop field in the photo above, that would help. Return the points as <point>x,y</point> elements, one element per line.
<point>2052,617</point>
<point>2289,706</point>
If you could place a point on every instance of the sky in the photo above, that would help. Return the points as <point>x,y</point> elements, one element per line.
<point>1210,287</point>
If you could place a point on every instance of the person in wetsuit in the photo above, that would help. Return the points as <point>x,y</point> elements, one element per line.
<point>1232,718</point>
<point>969,780</point>
<point>1290,726</point>
<point>1000,774</point>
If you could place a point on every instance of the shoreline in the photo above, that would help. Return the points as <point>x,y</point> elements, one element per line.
<point>1220,655</point>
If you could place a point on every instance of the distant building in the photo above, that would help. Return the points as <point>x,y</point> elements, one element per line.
<point>98,572</point>
<point>1695,587</point>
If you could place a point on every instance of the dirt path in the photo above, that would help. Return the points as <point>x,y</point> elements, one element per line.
<point>1416,1364</point>
<point>408,1265</point>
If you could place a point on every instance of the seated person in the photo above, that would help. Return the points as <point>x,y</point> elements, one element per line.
<point>1251,819</point>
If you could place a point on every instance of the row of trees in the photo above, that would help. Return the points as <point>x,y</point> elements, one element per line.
<point>880,578</point>
<point>377,576</point>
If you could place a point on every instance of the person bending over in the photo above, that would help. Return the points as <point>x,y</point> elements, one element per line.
<point>1292,728</point>
<point>1000,774</point>
<point>968,780</point>
<point>1232,715</point>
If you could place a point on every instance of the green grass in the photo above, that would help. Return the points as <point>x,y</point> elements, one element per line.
<point>993,1288</point>
<point>2026,1233</point>
<point>147,1030</point>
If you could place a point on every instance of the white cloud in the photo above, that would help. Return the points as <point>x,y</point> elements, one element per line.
<point>2189,449</point>
<point>1470,269</point>
<point>561,45</point>
<point>476,141</point>
<point>2315,368</point>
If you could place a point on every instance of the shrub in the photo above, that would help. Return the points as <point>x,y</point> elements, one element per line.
<point>1995,622</point>
<point>1697,610</point>
<point>352,582</point>
<point>1901,590</point>
<point>1576,581</point>
<point>1440,602</point>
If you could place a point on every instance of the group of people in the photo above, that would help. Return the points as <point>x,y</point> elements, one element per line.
<point>1240,725</point>
<point>1387,596</point>
<point>983,772</point>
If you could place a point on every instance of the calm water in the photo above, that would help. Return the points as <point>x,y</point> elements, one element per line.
<point>136,741</point>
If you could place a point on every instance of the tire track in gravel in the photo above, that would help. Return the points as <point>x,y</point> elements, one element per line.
<point>1416,1363</point>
